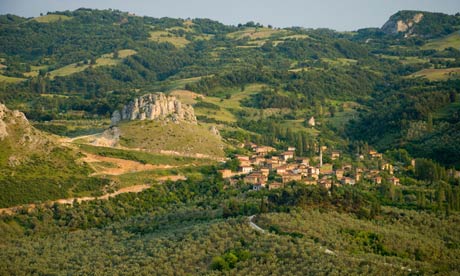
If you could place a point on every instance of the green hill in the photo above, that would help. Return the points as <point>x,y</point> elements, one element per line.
<point>421,23</point>
<point>34,167</point>
<point>171,138</point>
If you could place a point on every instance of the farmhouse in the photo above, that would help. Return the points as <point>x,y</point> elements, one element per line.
<point>287,155</point>
<point>335,155</point>
<point>246,169</point>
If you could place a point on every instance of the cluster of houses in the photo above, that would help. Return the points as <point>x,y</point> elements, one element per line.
<point>286,167</point>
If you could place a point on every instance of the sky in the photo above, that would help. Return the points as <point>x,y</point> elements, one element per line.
<point>341,15</point>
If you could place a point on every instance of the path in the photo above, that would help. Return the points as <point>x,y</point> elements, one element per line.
<point>255,226</point>
<point>122,166</point>
<point>131,189</point>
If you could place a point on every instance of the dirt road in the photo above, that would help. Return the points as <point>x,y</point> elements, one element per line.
<point>131,189</point>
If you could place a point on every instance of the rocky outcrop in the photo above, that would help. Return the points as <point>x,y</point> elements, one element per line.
<point>17,134</point>
<point>396,24</point>
<point>156,106</point>
<point>3,131</point>
<point>9,119</point>
<point>214,131</point>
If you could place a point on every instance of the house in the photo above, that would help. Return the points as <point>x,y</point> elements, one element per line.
<point>348,181</point>
<point>313,172</point>
<point>394,180</point>
<point>262,150</point>
<point>242,157</point>
<point>244,160</point>
<point>288,177</point>
<point>326,183</point>
<point>375,154</point>
<point>272,164</point>
<point>335,155</point>
<point>339,174</point>
<point>304,161</point>
<point>347,167</point>
<point>301,169</point>
<point>374,172</point>
<point>287,155</point>
<point>377,180</point>
<point>251,145</point>
<point>257,161</point>
<point>226,173</point>
<point>309,181</point>
<point>265,171</point>
<point>255,178</point>
<point>275,185</point>
<point>257,187</point>
<point>388,167</point>
<point>291,148</point>
<point>311,121</point>
<point>281,170</point>
<point>358,177</point>
<point>246,169</point>
<point>326,169</point>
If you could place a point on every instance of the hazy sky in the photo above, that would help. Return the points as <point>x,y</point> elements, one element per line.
<point>335,14</point>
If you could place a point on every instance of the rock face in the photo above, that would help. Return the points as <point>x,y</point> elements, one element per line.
<point>9,119</point>
<point>20,137</point>
<point>399,25</point>
<point>214,131</point>
<point>3,132</point>
<point>156,106</point>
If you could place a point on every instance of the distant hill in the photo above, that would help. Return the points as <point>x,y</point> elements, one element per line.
<point>422,24</point>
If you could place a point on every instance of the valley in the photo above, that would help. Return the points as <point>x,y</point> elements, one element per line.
<point>135,145</point>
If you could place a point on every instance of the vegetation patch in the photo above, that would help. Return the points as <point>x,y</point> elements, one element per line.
<point>50,18</point>
<point>438,74</point>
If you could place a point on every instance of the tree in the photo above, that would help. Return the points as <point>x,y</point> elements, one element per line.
<point>332,110</point>
<point>452,96</point>
<point>429,123</point>
<point>218,263</point>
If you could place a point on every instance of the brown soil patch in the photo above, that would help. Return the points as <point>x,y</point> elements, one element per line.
<point>172,178</point>
<point>121,166</point>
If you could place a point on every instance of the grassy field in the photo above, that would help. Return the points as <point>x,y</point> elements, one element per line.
<point>73,128</point>
<point>437,74</point>
<point>255,33</point>
<point>34,70</point>
<point>104,60</point>
<point>144,157</point>
<point>184,138</point>
<point>10,79</point>
<point>446,112</point>
<point>49,18</point>
<point>164,36</point>
<point>340,61</point>
<point>177,84</point>
<point>227,105</point>
<point>452,40</point>
<point>405,60</point>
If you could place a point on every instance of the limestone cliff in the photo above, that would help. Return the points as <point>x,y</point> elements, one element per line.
<point>398,24</point>
<point>18,139</point>
<point>156,106</point>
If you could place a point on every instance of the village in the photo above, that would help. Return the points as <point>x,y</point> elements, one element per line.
<point>267,168</point>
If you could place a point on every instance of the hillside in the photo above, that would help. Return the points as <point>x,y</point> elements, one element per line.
<point>34,167</point>
<point>423,24</point>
